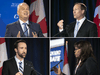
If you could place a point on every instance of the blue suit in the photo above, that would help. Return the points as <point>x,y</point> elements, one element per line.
<point>13,29</point>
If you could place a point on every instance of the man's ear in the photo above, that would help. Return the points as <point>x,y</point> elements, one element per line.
<point>83,11</point>
<point>15,50</point>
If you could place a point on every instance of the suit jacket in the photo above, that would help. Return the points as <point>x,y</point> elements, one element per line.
<point>89,67</point>
<point>88,29</point>
<point>10,67</point>
<point>13,29</point>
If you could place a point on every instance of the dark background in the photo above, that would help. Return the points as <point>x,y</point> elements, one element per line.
<point>95,42</point>
<point>37,52</point>
<point>63,9</point>
<point>46,7</point>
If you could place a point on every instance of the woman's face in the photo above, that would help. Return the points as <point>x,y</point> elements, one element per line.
<point>77,52</point>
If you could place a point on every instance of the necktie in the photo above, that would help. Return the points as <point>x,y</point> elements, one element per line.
<point>76,29</point>
<point>25,29</point>
<point>20,67</point>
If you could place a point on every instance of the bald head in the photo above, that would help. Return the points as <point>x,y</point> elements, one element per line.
<point>23,11</point>
<point>21,4</point>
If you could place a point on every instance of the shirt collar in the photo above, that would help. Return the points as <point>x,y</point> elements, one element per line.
<point>21,22</point>
<point>81,20</point>
<point>17,60</point>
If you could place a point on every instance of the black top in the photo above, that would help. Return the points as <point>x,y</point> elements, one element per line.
<point>89,67</point>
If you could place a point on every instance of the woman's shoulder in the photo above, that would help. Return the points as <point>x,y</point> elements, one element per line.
<point>90,60</point>
<point>92,66</point>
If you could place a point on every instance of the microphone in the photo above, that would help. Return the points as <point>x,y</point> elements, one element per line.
<point>56,64</point>
<point>32,28</point>
<point>33,69</point>
<point>27,29</point>
<point>38,32</point>
<point>62,31</point>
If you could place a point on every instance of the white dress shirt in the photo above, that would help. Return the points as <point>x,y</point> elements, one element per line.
<point>17,61</point>
<point>21,22</point>
<point>80,23</point>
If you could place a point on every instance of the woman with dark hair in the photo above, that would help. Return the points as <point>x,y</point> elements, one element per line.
<point>86,63</point>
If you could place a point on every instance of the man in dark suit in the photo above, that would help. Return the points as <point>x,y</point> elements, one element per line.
<point>17,65</point>
<point>82,27</point>
<point>23,27</point>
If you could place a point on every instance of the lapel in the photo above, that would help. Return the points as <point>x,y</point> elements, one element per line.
<point>30,30</point>
<point>82,27</point>
<point>18,26</point>
<point>14,65</point>
<point>71,30</point>
<point>25,67</point>
<point>77,70</point>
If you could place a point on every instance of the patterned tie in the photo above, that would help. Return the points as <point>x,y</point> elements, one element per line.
<point>76,29</point>
<point>20,67</point>
<point>25,29</point>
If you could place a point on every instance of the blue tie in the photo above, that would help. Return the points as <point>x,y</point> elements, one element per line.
<point>25,28</point>
<point>76,29</point>
<point>20,67</point>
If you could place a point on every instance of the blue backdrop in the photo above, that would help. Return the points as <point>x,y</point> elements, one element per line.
<point>8,13</point>
<point>56,54</point>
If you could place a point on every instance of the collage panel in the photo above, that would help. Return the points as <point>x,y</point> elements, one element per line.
<point>24,56</point>
<point>75,56</point>
<point>24,18</point>
<point>75,18</point>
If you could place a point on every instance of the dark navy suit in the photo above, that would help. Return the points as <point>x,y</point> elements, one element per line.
<point>10,67</point>
<point>13,29</point>
<point>88,29</point>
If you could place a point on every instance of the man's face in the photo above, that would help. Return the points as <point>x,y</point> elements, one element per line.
<point>77,52</point>
<point>77,12</point>
<point>22,49</point>
<point>23,11</point>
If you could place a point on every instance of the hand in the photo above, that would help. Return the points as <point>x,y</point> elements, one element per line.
<point>60,24</point>
<point>57,70</point>
<point>18,35</point>
<point>18,73</point>
<point>34,34</point>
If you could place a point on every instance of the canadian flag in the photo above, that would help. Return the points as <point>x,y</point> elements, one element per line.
<point>66,65</point>
<point>37,15</point>
<point>97,16</point>
<point>3,53</point>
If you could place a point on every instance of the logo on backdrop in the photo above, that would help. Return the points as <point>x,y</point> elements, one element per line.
<point>16,16</point>
<point>55,56</point>
<point>14,4</point>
